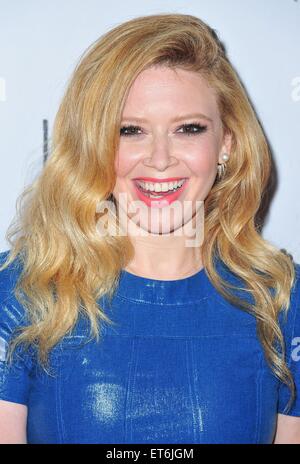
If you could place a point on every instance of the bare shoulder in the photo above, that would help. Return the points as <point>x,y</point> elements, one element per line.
<point>288,430</point>
<point>13,422</point>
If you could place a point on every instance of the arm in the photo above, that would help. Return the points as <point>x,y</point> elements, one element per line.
<point>288,430</point>
<point>14,378</point>
<point>13,419</point>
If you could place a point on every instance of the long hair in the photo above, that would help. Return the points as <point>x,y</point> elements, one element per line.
<point>67,264</point>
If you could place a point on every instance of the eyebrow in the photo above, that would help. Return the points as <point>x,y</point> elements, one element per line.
<point>177,118</point>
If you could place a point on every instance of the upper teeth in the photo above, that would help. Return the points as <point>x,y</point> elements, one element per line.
<point>160,186</point>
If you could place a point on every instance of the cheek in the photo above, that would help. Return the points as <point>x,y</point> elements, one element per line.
<point>124,162</point>
<point>203,162</point>
<point>203,165</point>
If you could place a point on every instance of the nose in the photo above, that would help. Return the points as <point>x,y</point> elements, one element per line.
<point>160,157</point>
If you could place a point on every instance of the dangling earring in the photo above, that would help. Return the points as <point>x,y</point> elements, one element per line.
<point>222,166</point>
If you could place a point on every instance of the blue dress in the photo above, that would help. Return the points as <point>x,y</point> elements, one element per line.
<point>179,365</point>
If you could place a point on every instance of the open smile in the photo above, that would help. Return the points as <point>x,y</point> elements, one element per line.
<point>159,194</point>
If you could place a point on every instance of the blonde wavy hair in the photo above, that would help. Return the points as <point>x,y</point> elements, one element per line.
<point>68,265</point>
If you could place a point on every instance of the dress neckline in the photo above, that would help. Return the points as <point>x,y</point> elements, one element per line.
<point>144,289</point>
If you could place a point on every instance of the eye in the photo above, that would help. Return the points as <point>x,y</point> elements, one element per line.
<point>193,128</point>
<point>131,130</point>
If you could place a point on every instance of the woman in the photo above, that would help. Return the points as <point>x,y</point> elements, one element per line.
<point>190,339</point>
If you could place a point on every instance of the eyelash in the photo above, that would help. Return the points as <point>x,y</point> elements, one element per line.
<point>200,128</point>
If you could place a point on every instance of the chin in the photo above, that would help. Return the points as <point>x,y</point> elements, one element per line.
<point>160,228</point>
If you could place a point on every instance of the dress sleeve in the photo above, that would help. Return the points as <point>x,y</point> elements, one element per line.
<point>291,332</point>
<point>14,376</point>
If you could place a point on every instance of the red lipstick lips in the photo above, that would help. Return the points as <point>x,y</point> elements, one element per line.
<point>164,198</point>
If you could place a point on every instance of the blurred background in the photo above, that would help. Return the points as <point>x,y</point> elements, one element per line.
<point>41,42</point>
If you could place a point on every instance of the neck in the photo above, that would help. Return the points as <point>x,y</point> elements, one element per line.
<point>161,257</point>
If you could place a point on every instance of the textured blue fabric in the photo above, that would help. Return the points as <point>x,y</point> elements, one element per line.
<point>179,365</point>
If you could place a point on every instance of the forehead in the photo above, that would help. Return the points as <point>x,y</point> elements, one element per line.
<point>161,87</point>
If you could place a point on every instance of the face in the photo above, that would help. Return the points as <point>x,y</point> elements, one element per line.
<point>171,139</point>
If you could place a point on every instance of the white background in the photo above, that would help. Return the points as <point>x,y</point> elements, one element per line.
<point>42,41</point>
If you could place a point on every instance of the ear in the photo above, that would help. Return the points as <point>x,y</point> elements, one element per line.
<point>226,146</point>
